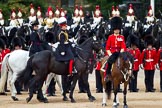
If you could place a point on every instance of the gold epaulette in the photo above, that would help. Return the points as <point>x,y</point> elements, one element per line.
<point>66,35</point>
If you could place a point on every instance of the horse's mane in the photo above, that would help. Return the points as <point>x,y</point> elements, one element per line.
<point>126,55</point>
<point>85,42</point>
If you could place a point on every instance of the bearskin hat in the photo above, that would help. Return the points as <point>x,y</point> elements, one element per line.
<point>134,40</point>
<point>116,23</point>
<point>2,43</point>
<point>16,42</point>
<point>5,39</point>
<point>49,37</point>
<point>149,40</point>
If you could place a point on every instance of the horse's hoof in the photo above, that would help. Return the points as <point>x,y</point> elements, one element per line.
<point>125,106</point>
<point>65,99</point>
<point>3,93</point>
<point>45,100</point>
<point>104,104</point>
<point>92,98</point>
<point>73,101</point>
<point>28,99</point>
<point>14,98</point>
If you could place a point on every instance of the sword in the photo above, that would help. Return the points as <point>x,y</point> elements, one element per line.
<point>160,13</point>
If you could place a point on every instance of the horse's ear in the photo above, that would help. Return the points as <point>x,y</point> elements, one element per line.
<point>94,38</point>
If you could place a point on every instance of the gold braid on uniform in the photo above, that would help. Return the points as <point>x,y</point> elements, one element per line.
<point>66,35</point>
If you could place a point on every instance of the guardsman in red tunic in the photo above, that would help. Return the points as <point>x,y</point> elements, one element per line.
<point>159,63</point>
<point>135,52</point>
<point>3,50</point>
<point>115,43</point>
<point>148,60</point>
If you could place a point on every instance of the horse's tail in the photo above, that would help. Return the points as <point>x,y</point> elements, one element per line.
<point>26,74</point>
<point>4,73</point>
<point>109,88</point>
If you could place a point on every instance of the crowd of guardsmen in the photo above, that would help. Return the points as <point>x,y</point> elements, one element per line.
<point>149,59</point>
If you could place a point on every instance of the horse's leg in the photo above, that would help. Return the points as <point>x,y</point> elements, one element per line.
<point>125,93</point>
<point>104,98</point>
<point>13,89</point>
<point>115,104</point>
<point>32,84</point>
<point>40,96</point>
<point>58,80</point>
<point>74,81</point>
<point>64,86</point>
<point>47,82</point>
<point>85,79</point>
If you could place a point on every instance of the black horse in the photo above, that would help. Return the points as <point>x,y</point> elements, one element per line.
<point>45,62</point>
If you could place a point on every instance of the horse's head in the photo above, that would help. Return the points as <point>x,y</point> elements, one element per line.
<point>96,45</point>
<point>125,62</point>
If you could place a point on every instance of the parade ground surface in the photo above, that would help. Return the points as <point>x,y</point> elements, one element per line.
<point>134,100</point>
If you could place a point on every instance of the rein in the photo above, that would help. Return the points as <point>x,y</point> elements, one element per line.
<point>81,58</point>
<point>124,72</point>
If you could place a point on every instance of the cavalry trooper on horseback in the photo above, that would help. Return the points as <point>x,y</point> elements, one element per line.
<point>65,50</point>
<point>19,17</point>
<point>32,16</point>
<point>115,44</point>
<point>40,18</point>
<point>1,18</point>
<point>149,21</point>
<point>130,17</point>
<point>97,18</point>
<point>49,20</point>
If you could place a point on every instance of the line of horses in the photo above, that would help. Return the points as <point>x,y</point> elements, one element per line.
<point>44,63</point>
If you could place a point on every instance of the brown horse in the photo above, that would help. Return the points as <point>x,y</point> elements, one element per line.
<point>120,74</point>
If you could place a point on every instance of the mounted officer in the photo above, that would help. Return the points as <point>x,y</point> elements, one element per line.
<point>115,43</point>
<point>64,51</point>
<point>35,39</point>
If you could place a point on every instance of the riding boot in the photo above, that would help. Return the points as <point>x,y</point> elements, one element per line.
<point>108,71</point>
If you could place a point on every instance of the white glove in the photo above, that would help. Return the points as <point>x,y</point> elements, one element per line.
<point>73,45</point>
<point>68,27</point>
<point>141,66</point>
<point>62,53</point>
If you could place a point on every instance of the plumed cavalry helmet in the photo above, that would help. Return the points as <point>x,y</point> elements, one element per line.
<point>149,40</point>
<point>62,21</point>
<point>116,23</point>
